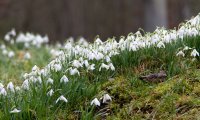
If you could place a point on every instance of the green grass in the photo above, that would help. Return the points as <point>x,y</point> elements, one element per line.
<point>176,98</point>
<point>12,69</point>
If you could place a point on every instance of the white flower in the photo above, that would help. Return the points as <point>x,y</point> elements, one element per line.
<point>4,52</point>
<point>104,66</point>
<point>25,85</point>
<point>91,67</point>
<point>91,56</point>
<point>133,47</point>
<point>15,111</point>
<point>50,93</point>
<point>57,67</point>
<point>180,53</point>
<point>10,87</point>
<point>86,63</point>
<point>76,64</point>
<point>7,37</point>
<point>99,56</point>
<point>17,88</point>
<point>44,72</point>
<point>62,98</point>
<point>27,56</point>
<point>107,59</point>
<point>111,67</point>
<point>74,71</point>
<point>161,45</point>
<point>35,68</point>
<point>64,79</point>
<point>95,102</point>
<point>3,47</point>
<point>50,81</point>
<point>186,48</point>
<point>3,92</point>
<point>11,54</point>
<point>194,53</point>
<point>106,98</point>
<point>98,41</point>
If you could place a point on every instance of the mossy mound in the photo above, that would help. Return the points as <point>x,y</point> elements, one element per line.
<point>176,98</point>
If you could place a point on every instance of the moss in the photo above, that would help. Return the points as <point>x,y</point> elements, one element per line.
<point>164,87</point>
<point>172,99</point>
<point>119,89</point>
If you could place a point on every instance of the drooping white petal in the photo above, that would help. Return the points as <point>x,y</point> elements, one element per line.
<point>25,85</point>
<point>95,101</point>
<point>194,53</point>
<point>62,98</point>
<point>50,81</point>
<point>27,56</point>
<point>15,111</point>
<point>10,87</point>
<point>74,71</point>
<point>3,92</point>
<point>64,79</point>
<point>50,93</point>
<point>11,54</point>
<point>180,53</point>
<point>106,98</point>
<point>161,45</point>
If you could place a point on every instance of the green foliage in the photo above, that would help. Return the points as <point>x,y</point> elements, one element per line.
<point>175,98</point>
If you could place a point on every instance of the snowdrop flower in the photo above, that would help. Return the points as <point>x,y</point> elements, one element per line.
<point>39,79</point>
<point>26,45</point>
<point>95,102</point>
<point>86,63</point>
<point>27,56</point>
<point>7,37</point>
<point>111,67</point>
<point>50,81</point>
<point>104,66</point>
<point>50,93</point>
<point>107,59</point>
<point>57,67</point>
<point>44,72</point>
<point>186,48</point>
<point>3,92</point>
<point>180,53</point>
<point>133,47</point>
<point>194,53</point>
<point>99,56</point>
<point>4,52</point>
<point>62,98</point>
<point>91,67</point>
<point>15,111</point>
<point>74,71</point>
<point>17,88</point>
<point>26,75</point>
<point>106,98</point>
<point>13,32</point>
<point>11,54</point>
<point>64,79</point>
<point>161,45</point>
<point>98,41</point>
<point>3,47</point>
<point>76,64</point>
<point>91,56</point>
<point>25,85</point>
<point>10,87</point>
<point>192,32</point>
<point>35,68</point>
